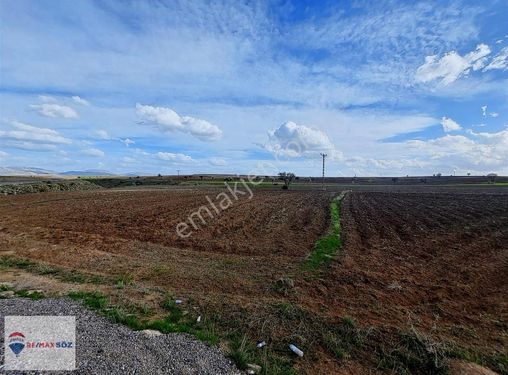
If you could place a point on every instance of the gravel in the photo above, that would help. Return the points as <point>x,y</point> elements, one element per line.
<point>106,348</point>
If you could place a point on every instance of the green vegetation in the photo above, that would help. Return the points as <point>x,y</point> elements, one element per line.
<point>32,294</point>
<point>136,317</point>
<point>326,246</point>
<point>73,276</point>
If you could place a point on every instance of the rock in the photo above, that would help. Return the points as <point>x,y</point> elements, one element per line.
<point>6,285</point>
<point>150,333</point>
<point>7,294</point>
<point>253,369</point>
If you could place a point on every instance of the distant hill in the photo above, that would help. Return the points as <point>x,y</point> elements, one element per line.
<point>88,172</point>
<point>26,171</point>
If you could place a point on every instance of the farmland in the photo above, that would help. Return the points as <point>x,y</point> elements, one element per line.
<point>420,276</point>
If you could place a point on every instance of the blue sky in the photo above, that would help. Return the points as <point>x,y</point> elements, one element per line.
<point>384,88</point>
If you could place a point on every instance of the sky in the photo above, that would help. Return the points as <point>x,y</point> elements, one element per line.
<point>388,88</point>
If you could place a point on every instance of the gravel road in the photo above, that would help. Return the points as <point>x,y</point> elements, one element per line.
<point>106,348</point>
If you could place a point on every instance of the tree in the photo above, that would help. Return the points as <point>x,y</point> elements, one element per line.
<point>287,177</point>
<point>492,177</point>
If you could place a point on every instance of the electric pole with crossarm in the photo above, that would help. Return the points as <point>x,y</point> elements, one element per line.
<point>323,178</point>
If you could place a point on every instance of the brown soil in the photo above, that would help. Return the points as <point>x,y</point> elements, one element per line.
<point>433,263</point>
<point>257,226</point>
<point>437,262</point>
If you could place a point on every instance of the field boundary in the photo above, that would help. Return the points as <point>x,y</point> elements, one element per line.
<point>327,246</point>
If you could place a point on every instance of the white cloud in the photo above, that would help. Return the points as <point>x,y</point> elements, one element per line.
<point>47,99</point>
<point>218,162</point>
<point>178,158</point>
<point>81,101</point>
<point>102,134</point>
<point>452,65</point>
<point>484,150</point>
<point>55,110</point>
<point>294,140</point>
<point>95,152</point>
<point>127,142</point>
<point>30,136</point>
<point>449,125</point>
<point>169,120</point>
<point>362,163</point>
<point>3,154</point>
<point>493,114</point>
<point>484,110</point>
<point>500,61</point>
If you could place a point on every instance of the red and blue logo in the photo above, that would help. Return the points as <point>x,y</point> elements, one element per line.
<point>16,342</point>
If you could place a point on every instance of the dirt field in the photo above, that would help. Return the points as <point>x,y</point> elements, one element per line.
<point>430,266</point>
<point>438,262</point>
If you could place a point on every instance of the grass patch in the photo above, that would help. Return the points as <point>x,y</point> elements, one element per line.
<point>413,353</point>
<point>137,317</point>
<point>4,288</point>
<point>326,246</point>
<point>70,276</point>
<point>32,294</point>
<point>92,300</point>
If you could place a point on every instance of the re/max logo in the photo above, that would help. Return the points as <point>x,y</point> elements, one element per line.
<point>50,345</point>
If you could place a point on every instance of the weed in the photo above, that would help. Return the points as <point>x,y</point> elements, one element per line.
<point>4,287</point>
<point>414,353</point>
<point>326,246</point>
<point>93,300</point>
<point>348,322</point>
<point>32,294</point>
<point>242,351</point>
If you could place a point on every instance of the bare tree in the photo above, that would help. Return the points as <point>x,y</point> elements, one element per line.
<point>287,177</point>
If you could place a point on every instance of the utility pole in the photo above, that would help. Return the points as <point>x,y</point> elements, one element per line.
<point>323,178</point>
<point>178,171</point>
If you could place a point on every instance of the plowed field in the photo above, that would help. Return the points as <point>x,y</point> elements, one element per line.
<point>427,265</point>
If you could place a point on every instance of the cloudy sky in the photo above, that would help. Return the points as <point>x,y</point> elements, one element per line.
<point>384,88</point>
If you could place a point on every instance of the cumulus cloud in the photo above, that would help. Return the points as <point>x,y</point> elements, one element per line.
<point>452,65</point>
<point>81,101</point>
<point>169,120</point>
<point>55,110</point>
<point>484,110</point>
<point>500,61</point>
<point>449,125</point>
<point>28,137</point>
<point>493,114</point>
<point>293,140</point>
<point>483,149</point>
<point>95,152</point>
<point>177,158</point>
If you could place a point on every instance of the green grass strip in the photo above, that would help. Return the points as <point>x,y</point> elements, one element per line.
<point>326,247</point>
